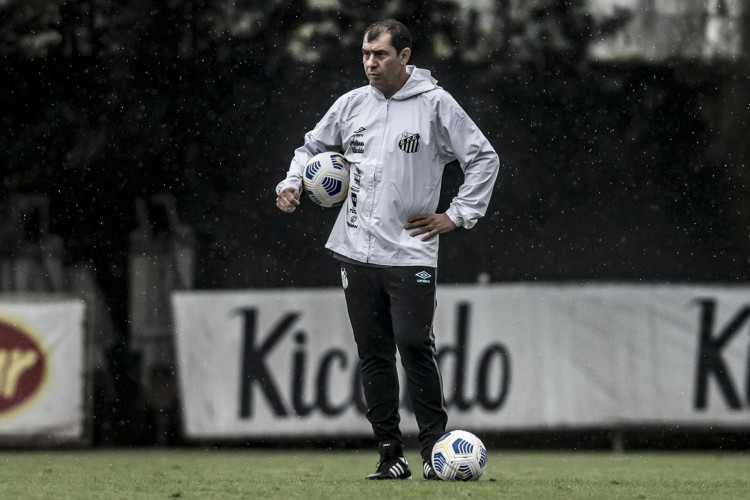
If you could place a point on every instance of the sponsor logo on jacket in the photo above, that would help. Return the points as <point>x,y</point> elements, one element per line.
<point>356,144</point>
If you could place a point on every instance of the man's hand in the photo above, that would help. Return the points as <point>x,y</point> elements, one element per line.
<point>430,225</point>
<point>287,200</point>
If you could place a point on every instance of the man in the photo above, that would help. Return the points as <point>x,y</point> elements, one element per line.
<point>398,132</point>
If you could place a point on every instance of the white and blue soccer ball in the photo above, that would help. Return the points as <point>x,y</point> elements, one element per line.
<point>326,179</point>
<point>459,456</point>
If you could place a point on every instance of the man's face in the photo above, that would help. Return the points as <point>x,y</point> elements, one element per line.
<point>385,69</point>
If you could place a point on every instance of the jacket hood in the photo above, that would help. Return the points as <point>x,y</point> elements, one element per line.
<point>420,80</point>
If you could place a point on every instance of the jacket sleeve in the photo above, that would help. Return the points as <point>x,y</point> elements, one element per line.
<point>463,141</point>
<point>326,136</point>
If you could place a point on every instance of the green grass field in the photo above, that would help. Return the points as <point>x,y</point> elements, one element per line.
<point>235,473</point>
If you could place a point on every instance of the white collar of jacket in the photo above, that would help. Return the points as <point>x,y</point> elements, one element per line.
<point>420,80</point>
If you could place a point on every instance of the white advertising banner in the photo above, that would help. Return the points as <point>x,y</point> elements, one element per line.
<point>41,369</point>
<point>284,363</point>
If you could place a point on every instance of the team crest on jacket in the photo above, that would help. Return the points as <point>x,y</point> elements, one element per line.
<point>409,142</point>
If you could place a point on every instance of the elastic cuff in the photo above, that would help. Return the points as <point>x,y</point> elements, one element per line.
<point>454,217</point>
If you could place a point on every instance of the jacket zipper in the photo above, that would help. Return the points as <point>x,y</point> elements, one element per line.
<point>376,179</point>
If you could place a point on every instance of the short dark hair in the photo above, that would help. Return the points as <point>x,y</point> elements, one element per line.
<point>400,36</point>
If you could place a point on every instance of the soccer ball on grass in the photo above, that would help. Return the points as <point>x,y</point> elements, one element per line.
<point>326,179</point>
<point>459,456</point>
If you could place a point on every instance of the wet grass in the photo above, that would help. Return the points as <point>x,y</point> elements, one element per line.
<point>248,473</point>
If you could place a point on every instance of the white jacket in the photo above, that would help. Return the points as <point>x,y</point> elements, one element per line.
<point>398,148</point>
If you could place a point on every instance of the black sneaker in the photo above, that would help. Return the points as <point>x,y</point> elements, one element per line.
<point>429,472</point>
<point>392,464</point>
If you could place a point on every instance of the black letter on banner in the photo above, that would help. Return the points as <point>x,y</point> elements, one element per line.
<point>710,361</point>
<point>298,377</point>
<point>322,381</point>
<point>254,367</point>
<point>483,384</point>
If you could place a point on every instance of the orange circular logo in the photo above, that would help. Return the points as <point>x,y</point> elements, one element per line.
<point>24,365</point>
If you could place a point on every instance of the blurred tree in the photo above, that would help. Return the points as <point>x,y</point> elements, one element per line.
<point>108,101</point>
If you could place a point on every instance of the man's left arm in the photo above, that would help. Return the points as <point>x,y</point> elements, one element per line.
<point>480,165</point>
<point>463,141</point>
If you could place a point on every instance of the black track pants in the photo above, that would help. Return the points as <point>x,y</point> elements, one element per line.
<point>393,308</point>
